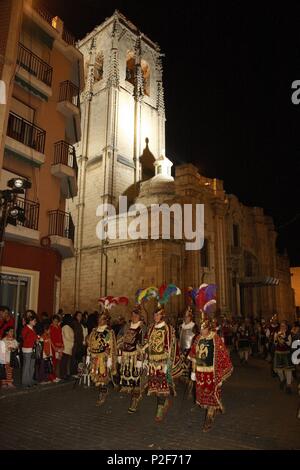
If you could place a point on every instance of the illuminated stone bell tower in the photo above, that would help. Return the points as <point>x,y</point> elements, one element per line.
<point>123,133</point>
<point>122,104</point>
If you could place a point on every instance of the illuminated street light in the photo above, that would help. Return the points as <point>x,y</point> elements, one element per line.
<point>19,183</point>
<point>14,212</point>
<point>10,212</point>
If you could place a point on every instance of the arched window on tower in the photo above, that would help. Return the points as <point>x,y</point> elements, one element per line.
<point>98,68</point>
<point>146,77</point>
<point>250,265</point>
<point>130,67</point>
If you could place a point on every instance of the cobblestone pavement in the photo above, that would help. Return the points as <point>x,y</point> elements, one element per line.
<point>258,416</point>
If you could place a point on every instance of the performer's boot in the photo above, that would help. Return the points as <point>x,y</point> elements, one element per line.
<point>288,389</point>
<point>163,405</point>
<point>190,389</point>
<point>282,384</point>
<point>167,405</point>
<point>209,419</point>
<point>135,398</point>
<point>160,409</point>
<point>103,392</point>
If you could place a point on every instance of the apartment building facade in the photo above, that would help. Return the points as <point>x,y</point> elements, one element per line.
<point>41,124</point>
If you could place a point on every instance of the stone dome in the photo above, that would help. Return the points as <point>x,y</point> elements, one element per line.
<point>161,187</point>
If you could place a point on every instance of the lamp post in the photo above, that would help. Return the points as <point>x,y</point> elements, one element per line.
<point>9,209</point>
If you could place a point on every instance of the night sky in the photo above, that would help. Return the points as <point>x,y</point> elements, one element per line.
<point>228,72</point>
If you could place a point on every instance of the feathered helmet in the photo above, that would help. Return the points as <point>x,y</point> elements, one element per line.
<point>137,310</point>
<point>206,324</point>
<point>206,299</point>
<point>189,310</point>
<point>190,296</point>
<point>105,316</point>
<point>143,295</point>
<point>274,318</point>
<point>162,295</point>
<point>160,309</point>
<point>109,302</point>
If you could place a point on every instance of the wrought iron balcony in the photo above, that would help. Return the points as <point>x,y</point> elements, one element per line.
<point>69,92</point>
<point>61,224</point>
<point>34,65</point>
<point>29,211</point>
<point>43,12</point>
<point>26,132</point>
<point>51,19</point>
<point>68,37</point>
<point>65,154</point>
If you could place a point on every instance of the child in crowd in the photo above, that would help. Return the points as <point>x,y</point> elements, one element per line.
<point>9,344</point>
<point>46,371</point>
<point>29,338</point>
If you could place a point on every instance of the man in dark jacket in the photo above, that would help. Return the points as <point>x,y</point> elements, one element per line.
<point>92,321</point>
<point>77,353</point>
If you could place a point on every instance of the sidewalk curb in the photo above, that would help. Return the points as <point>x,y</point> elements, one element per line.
<point>35,389</point>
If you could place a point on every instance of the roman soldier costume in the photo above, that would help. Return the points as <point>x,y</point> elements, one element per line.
<point>227,335</point>
<point>103,357</point>
<point>243,343</point>
<point>283,365</point>
<point>270,333</point>
<point>164,363</point>
<point>187,332</point>
<point>162,358</point>
<point>211,366</point>
<point>130,359</point>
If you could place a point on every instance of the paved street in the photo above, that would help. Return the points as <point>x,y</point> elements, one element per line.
<point>258,416</point>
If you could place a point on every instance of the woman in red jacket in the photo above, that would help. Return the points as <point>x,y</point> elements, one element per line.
<point>29,338</point>
<point>57,343</point>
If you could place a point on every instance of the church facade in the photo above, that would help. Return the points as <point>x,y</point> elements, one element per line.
<point>122,152</point>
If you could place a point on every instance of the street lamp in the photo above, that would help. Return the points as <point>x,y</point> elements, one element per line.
<point>19,184</point>
<point>10,212</point>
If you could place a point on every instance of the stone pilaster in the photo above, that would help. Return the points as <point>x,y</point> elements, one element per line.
<point>221,258</point>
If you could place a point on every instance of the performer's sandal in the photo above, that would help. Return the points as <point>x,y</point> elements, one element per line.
<point>209,419</point>
<point>159,413</point>
<point>162,410</point>
<point>134,404</point>
<point>101,399</point>
<point>207,424</point>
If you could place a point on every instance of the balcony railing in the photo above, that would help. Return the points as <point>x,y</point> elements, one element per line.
<point>26,132</point>
<point>69,92</point>
<point>50,18</point>
<point>68,37</point>
<point>35,65</point>
<point>43,12</point>
<point>65,154</point>
<point>61,224</point>
<point>30,214</point>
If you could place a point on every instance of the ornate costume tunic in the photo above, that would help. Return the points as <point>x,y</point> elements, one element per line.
<point>163,359</point>
<point>103,350</point>
<point>282,357</point>
<point>211,365</point>
<point>186,335</point>
<point>130,356</point>
<point>243,339</point>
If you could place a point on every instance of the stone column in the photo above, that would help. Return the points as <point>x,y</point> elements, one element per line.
<point>221,259</point>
